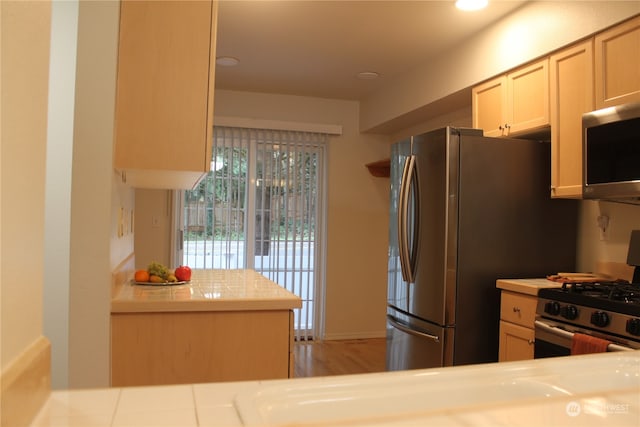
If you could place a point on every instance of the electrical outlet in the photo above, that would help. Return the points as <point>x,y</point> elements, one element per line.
<point>603,225</point>
<point>120,231</point>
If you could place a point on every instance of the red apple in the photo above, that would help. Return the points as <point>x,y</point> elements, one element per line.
<point>183,273</point>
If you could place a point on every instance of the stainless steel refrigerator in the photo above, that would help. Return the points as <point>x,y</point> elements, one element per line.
<point>466,210</point>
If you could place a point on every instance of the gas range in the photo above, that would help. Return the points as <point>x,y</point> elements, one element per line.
<point>608,308</point>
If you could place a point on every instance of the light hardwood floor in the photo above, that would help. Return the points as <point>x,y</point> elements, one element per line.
<point>339,357</point>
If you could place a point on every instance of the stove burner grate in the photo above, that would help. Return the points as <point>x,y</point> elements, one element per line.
<point>620,296</point>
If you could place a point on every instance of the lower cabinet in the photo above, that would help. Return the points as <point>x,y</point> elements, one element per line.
<point>517,317</point>
<point>516,342</point>
<point>196,347</point>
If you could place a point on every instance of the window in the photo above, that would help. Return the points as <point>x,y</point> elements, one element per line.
<point>261,207</point>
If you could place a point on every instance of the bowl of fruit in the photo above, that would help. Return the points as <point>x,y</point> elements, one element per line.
<point>158,274</point>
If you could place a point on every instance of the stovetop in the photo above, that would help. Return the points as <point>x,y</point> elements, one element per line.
<point>620,297</point>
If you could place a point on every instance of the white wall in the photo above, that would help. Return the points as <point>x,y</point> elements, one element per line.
<point>25,30</point>
<point>152,227</point>
<point>96,192</point>
<point>62,79</point>
<point>531,31</point>
<point>97,197</point>
<point>357,208</point>
<point>593,246</point>
<point>459,118</point>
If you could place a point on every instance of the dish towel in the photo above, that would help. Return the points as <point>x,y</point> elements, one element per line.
<point>585,344</point>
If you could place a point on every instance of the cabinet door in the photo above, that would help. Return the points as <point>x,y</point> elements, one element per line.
<point>528,98</point>
<point>199,346</point>
<point>164,101</point>
<point>516,342</point>
<point>488,108</point>
<point>513,104</point>
<point>571,76</point>
<point>617,59</point>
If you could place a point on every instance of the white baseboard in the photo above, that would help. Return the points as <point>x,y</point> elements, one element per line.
<point>26,384</point>
<point>354,335</point>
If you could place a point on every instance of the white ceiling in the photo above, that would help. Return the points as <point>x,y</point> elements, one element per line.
<point>316,48</point>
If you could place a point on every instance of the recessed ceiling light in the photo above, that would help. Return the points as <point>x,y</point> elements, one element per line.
<point>368,75</point>
<point>471,4</point>
<point>227,61</point>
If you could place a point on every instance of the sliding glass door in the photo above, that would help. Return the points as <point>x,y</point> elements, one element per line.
<point>261,207</point>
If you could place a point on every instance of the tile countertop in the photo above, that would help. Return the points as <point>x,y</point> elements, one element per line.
<point>208,290</point>
<point>526,286</point>
<point>587,390</point>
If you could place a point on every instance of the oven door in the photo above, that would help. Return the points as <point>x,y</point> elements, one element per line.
<point>554,339</point>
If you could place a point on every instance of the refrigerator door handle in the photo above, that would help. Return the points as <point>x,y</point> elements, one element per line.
<point>396,324</point>
<point>408,257</point>
<point>403,246</point>
<point>415,230</point>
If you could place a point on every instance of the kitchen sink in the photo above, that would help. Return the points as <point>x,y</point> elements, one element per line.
<point>409,394</point>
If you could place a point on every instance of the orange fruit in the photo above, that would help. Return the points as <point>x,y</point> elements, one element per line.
<point>141,276</point>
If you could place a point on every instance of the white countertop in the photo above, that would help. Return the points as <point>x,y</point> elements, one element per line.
<point>589,390</point>
<point>526,286</point>
<point>208,290</point>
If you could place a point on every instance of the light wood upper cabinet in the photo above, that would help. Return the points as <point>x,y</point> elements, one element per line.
<point>489,106</point>
<point>514,103</point>
<point>164,100</point>
<point>617,64</point>
<point>572,94</point>
<point>528,97</point>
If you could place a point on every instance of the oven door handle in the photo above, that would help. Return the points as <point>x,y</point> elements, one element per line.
<point>566,334</point>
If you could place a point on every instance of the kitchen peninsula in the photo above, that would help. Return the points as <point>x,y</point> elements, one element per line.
<point>224,325</point>
<point>587,390</point>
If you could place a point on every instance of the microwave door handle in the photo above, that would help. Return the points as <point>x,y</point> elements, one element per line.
<point>566,334</point>
<point>403,245</point>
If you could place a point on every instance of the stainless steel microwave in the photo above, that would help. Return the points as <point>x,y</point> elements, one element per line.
<point>611,153</point>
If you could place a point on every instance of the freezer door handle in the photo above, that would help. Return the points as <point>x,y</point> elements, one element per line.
<point>408,256</point>
<point>398,325</point>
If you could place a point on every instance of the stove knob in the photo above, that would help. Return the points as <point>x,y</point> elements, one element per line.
<point>569,312</point>
<point>633,326</point>
<point>600,318</point>
<point>552,308</point>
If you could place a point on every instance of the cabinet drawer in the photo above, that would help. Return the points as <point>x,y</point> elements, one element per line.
<point>518,308</point>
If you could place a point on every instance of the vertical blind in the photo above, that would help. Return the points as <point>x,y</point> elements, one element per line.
<point>261,207</point>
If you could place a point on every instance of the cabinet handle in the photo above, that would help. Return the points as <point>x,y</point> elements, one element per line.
<point>531,342</point>
<point>516,309</point>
